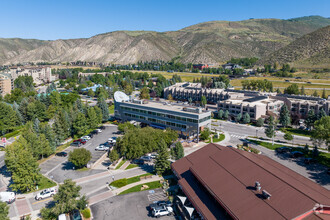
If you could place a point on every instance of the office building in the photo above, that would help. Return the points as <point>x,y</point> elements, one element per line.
<point>39,74</point>
<point>188,120</point>
<point>220,182</point>
<point>6,84</point>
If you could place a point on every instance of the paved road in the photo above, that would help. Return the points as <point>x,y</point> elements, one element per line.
<point>240,131</point>
<point>60,169</point>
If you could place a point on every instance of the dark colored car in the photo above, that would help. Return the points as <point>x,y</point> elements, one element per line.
<point>91,135</point>
<point>138,161</point>
<point>309,160</point>
<point>83,141</point>
<point>296,154</point>
<point>76,215</point>
<point>283,149</point>
<point>62,154</point>
<point>102,127</point>
<point>76,143</point>
<point>160,203</point>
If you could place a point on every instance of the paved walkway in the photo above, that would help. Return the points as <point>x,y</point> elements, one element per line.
<point>125,165</point>
<point>102,196</point>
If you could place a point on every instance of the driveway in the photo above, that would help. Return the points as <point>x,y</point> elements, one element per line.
<point>129,206</point>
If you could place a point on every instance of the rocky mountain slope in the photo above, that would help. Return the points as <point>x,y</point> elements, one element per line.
<point>209,42</point>
<point>311,49</point>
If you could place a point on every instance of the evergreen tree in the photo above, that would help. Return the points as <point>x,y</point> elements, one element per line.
<point>246,118</point>
<point>4,211</point>
<point>44,146</point>
<point>315,94</point>
<point>18,114</point>
<point>92,118</point>
<point>162,163</point>
<point>311,118</point>
<point>278,91</point>
<point>321,114</point>
<point>22,165</point>
<point>8,118</point>
<point>58,130</point>
<point>50,136</point>
<point>36,124</point>
<point>104,108</point>
<point>203,101</point>
<point>302,90</point>
<point>260,122</point>
<point>177,152</point>
<point>80,125</point>
<point>239,117</point>
<point>285,118</point>
<point>270,130</point>
<point>220,114</point>
<point>324,95</point>
<point>226,115</point>
<point>99,115</point>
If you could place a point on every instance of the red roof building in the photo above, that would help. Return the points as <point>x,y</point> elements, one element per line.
<point>220,183</point>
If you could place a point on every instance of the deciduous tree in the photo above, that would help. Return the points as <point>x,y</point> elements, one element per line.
<point>80,157</point>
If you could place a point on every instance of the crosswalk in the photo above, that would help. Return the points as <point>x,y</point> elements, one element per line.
<point>237,136</point>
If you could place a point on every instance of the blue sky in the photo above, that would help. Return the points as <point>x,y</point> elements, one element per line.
<point>63,19</point>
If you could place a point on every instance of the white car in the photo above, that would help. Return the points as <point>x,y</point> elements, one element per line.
<point>86,137</point>
<point>111,141</point>
<point>8,197</point>
<point>98,130</point>
<point>46,193</point>
<point>102,148</point>
<point>161,211</point>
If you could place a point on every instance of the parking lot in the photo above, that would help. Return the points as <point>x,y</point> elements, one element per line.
<point>129,206</point>
<point>59,169</point>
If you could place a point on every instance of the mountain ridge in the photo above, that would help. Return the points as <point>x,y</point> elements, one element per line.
<point>207,42</point>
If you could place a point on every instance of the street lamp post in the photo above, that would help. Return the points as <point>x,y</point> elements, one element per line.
<point>257,133</point>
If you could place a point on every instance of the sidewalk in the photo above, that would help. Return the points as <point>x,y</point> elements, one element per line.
<point>102,196</point>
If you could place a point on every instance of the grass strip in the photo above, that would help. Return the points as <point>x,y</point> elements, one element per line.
<point>151,185</point>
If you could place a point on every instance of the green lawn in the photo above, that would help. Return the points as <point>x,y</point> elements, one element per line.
<point>221,138</point>
<point>112,109</point>
<point>295,131</point>
<point>44,183</point>
<point>323,158</point>
<point>131,166</point>
<point>120,164</point>
<point>16,132</point>
<point>123,182</point>
<point>152,185</point>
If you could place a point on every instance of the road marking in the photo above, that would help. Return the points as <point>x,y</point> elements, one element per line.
<point>42,201</point>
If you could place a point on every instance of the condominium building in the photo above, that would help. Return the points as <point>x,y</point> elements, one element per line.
<point>39,74</point>
<point>188,120</point>
<point>257,107</point>
<point>6,84</point>
<point>300,105</point>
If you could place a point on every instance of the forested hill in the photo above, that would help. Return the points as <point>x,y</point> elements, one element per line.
<point>209,42</point>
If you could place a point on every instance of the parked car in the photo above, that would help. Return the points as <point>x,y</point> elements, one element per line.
<point>102,127</point>
<point>112,140</point>
<point>98,130</point>
<point>83,141</point>
<point>76,143</point>
<point>75,215</point>
<point>162,211</point>
<point>8,197</point>
<point>102,148</point>
<point>287,80</point>
<point>145,158</point>
<point>296,154</point>
<point>91,135</point>
<point>138,161</point>
<point>86,137</point>
<point>62,217</point>
<point>309,160</point>
<point>283,149</point>
<point>61,154</point>
<point>46,193</point>
<point>309,82</point>
<point>160,203</point>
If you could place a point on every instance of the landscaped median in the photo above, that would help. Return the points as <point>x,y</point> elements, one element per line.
<point>323,158</point>
<point>138,188</point>
<point>125,181</point>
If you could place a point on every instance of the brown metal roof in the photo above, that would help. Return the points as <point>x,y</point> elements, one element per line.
<point>228,175</point>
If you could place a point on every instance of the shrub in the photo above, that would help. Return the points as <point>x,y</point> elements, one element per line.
<point>80,157</point>
<point>86,213</point>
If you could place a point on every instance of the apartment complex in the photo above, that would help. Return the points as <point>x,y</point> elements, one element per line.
<point>39,74</point>
<point>187,120</point>
<point>300,105</point>
<point>220,182</point>
<point>257,107</point>
<point>6,84</point>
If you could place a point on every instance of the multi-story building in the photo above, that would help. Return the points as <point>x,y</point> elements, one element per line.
<point>194,91</point>
<point>6,84</point>
<point>39,74</point>
<point>300,105</point>
<point>256,107</point>
<point>188,120</point>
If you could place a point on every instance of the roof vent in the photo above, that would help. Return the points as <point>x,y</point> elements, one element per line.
<point>266,194</point>
<point>257,186</point>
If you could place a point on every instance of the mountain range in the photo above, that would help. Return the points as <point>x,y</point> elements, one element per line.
<point>208,42</point>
